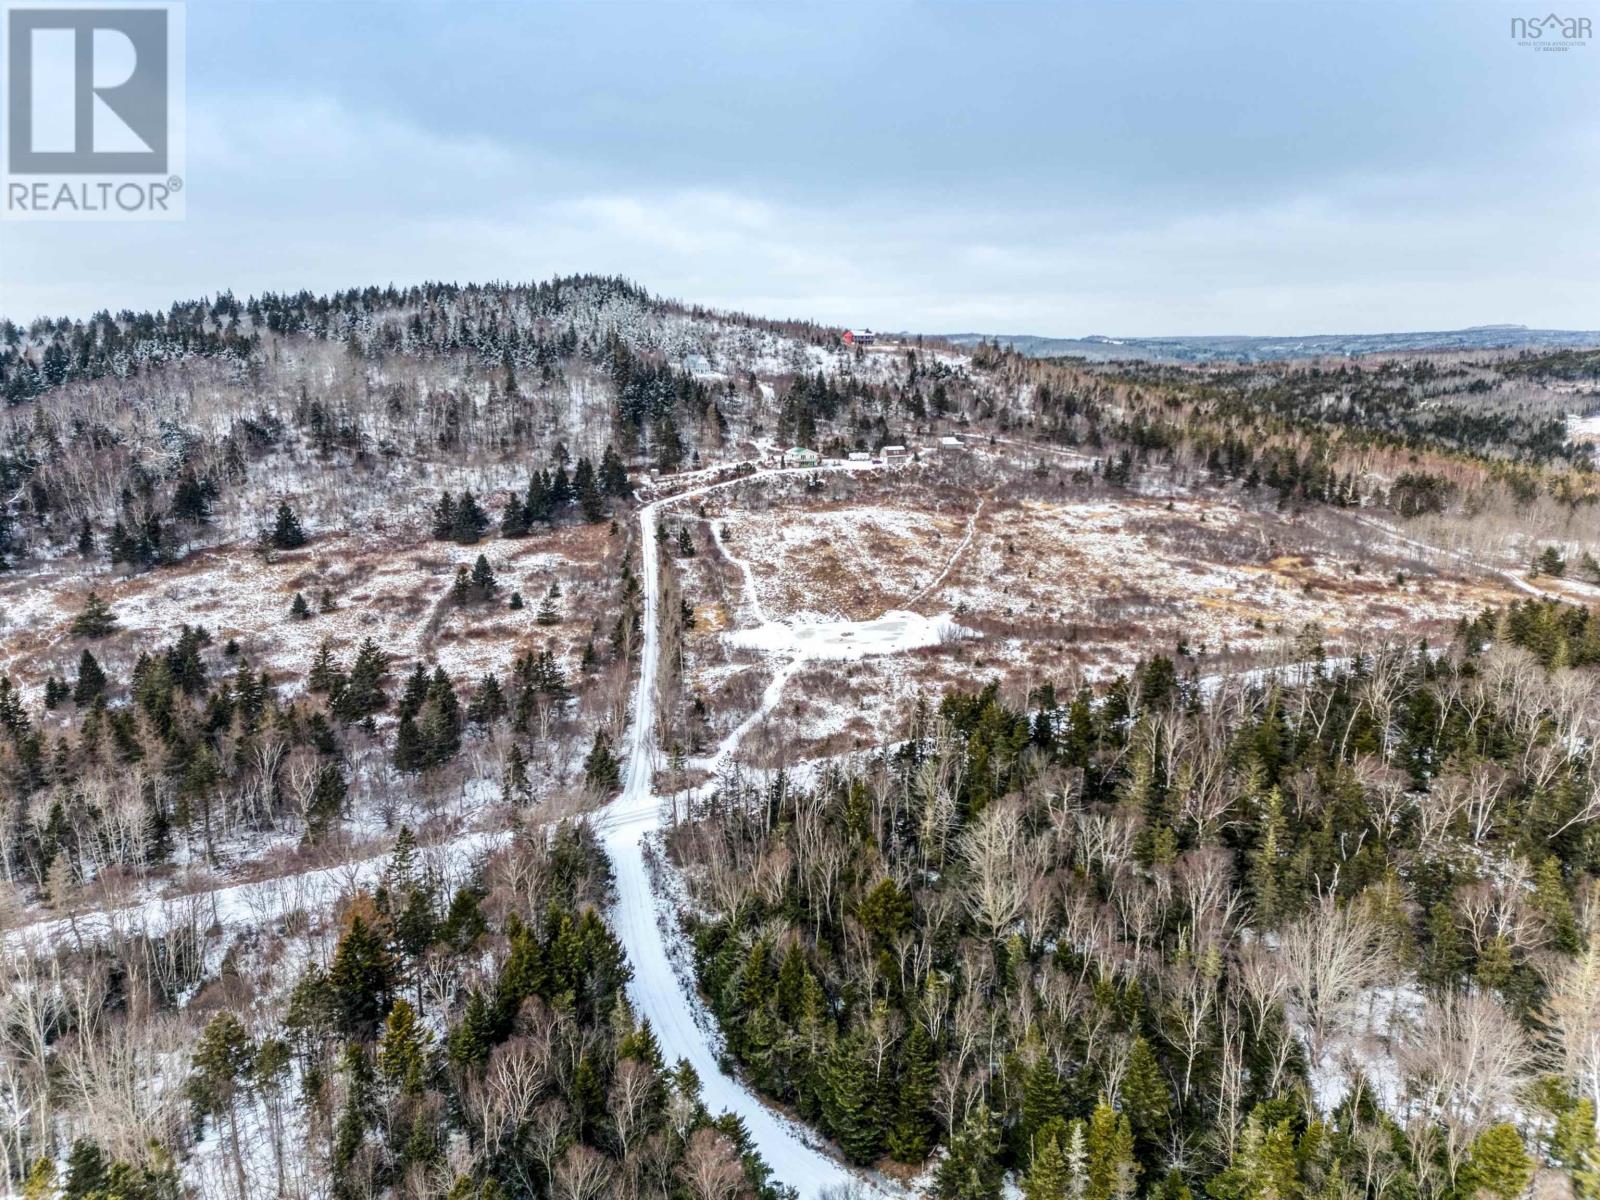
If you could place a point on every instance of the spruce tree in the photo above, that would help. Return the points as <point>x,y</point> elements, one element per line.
<point>327,801</point>
<point>548,614</point>
<point>470,520</point>
<point>1554,906</point>
<point>1498,1165</point>
<point>91,680</point>
<point>300,610</point>
<point>590,501</point>
<point>361,980</point>
<point>911,1132</point>
<point>96,620</point>
<point>1048,1174</point>
<point>514,521</point>
<point>324,670</point>
<point>410,751</point>
<point>1145,1099</point>
<point>86,1171</point>
<point>971,1169</point>
<point>1043,1101</point>
<point>484,584</point>
<point>287,533</point>
<point>538,506</point>
<point>403,1050</point>
<point>614,476</point>
<point>444,518</point>
<point>1109,1145</point>
<point>601,771</point>
<point>363,694</point>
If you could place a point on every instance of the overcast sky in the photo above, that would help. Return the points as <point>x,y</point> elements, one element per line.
<point>1067,169</point>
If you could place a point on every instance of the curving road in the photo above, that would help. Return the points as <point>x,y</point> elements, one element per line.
<point>640,922</point>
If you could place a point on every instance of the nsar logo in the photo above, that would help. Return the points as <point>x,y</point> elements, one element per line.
<point>1551,32</point>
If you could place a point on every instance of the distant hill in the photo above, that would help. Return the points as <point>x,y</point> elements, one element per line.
<point>1239,348</point>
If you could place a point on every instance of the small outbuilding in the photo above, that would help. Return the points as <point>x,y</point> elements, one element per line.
<point>951,443</point>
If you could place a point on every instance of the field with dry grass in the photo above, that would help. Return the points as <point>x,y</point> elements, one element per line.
<point>395,592</point>
<point>1047,590</point>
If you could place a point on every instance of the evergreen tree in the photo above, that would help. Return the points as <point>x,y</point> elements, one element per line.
<point>483,580</point>
<point>300,610</point>
<point>410,751</point>
<point>1047,1175</point>
<point>361,980</point>
<point>1146,1100</point>
<point>1498,1165</point>
<point>971,1169</point>
<point>91,681</point>
<point>1554,906</point>
<point>514,522</point>
<point>403,1050</point>
<point>1549,562</point>
<point>488,702</point>
<point>548,613</point>
<point>86,1172</point>
<point>1444,956</point>
<point>327,802</point>
<point>287,533</point>
<point>440,727</point>
<point>911,1132</point>
<point>221,1062</point>
<point>96,620</point>
<point>1043,1102</point>
<point>614,476</point>
<point>324,669</point>
<point>590,501</point>
<point>444,518</point>
<point>538,504</point>
<point>601,770</point>
<point>362,694</point>
<point>1109,1145</point>
<point>470,520</point>
<point>850,1102</point>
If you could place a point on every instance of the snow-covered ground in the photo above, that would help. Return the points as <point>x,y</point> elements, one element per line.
<point>646,924</point>
<point>893,632</point>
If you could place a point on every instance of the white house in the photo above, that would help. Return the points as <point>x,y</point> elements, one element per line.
<point>951,443</point>
<point>799,456</point>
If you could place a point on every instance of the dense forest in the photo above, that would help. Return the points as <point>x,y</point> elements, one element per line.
<point>1335,935</point>
<point>172,424</point>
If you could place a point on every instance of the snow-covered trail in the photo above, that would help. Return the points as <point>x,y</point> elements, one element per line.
<point>1511,577</point>
<point>955,556</point>
<point>641,922</point>
<point>240,906</point>
<point>751,596</point>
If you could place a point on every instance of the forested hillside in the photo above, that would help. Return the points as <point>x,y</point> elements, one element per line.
<point>1333,935</point>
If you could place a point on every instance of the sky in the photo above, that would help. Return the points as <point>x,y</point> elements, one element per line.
<point>1121,168</point>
